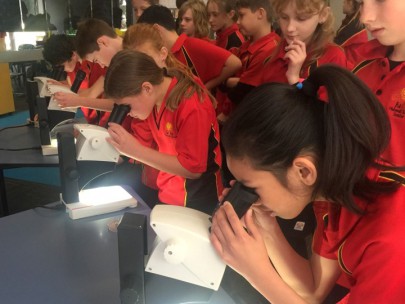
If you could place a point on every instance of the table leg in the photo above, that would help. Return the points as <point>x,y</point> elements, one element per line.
<point>3,197</point>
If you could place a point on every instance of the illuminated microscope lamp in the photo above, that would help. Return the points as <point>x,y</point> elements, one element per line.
<point>182,248</point>
<point>91,145</point>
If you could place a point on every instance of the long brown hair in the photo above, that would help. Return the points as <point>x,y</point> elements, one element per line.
<point>200,17</point>
<point>324,32</point>
<point>130,69</point>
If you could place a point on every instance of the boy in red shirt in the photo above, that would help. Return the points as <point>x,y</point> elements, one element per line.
<point>97,42</point>
<point>222,17</point>
<point>255,19</point>
<point>60,50</point>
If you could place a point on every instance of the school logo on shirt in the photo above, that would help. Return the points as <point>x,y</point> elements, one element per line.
<point>398,102</point>
<point>169,130</point>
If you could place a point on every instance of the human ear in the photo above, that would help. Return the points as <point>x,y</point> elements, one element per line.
<point>261,13</point>
<point>324,14</point>
<point>102,40</point>
<point>305,169</point>
<point>147,87</point>
<point>164,52</point>
<point>231,14</point>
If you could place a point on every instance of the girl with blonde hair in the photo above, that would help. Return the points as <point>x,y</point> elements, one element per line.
<point>307,28</point>
<point>194,19</point>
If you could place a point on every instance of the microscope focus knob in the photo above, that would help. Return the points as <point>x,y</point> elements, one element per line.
<point>95,143</point>
<point>175,251</point>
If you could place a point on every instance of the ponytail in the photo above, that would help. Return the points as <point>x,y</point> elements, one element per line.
<point>129,69</point>
<point>276,123</point>
<point>356,129</point>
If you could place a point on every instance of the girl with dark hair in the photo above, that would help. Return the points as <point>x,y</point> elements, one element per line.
<point>330,157</point>
<point>179,133</point>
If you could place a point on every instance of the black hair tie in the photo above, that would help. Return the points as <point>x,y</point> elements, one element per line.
<point>308,88</point>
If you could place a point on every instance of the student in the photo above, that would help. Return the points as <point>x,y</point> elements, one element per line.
<point>61,50</point>
<point>255,18</point>
<point>146,38</point>
<point>383,69</point>
<point>140,6</point>
<point>194,19</point>
<point>307,30</point>
<point>179,3</point>
<point>330,157</point>
<point>180,134</point>
<point>222,17</point>
<point>96,42</point>
<point>210,63</point>
<point>352,32</point>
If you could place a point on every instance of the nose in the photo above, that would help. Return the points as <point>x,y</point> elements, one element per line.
<point>367,12</point>
<point>291,27</point>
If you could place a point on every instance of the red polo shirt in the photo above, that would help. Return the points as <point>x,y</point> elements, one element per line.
<point>84,66</point>
<point>389,87</point>
<point>191,133</point>
<point>370,248</point>
<point>369,50</point>
<point>230,37</point>
<point>93,72</point>
<point>205,59</point>
<point>352,34</point>
<point>253,56</point>
<point>276,66</point>
<point>91,115</point>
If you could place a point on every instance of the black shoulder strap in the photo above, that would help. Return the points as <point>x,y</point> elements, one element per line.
<point>361,65</point>
<point>393,176</point>
<point>189,61</point>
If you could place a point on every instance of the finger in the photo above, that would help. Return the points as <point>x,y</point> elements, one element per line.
<point>217,233</point>
<point>233,220</point>
<point>218,223</point>
<point>224,193</point>
<point>251,225</point>
<point>216,244</point>
<point>299,43</point>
